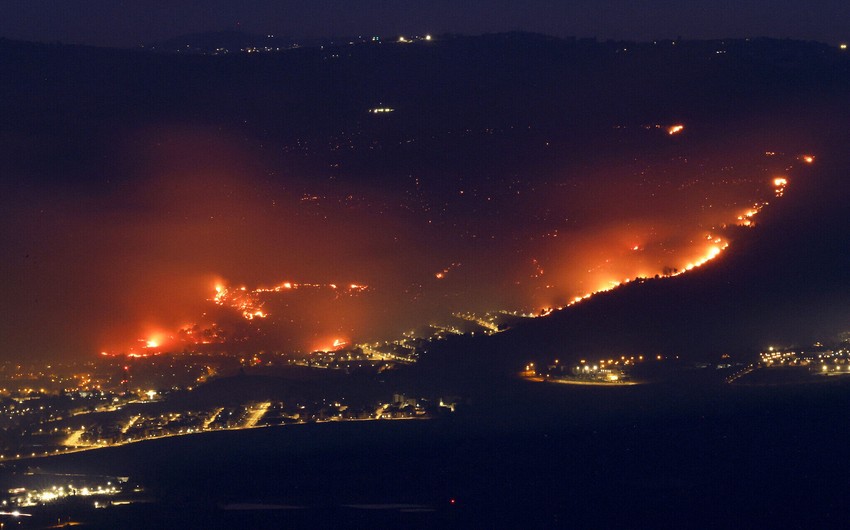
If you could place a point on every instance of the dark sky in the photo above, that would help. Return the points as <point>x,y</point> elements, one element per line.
<point>117,23</point>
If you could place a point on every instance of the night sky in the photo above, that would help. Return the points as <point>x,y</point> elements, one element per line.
<point>114,23</point>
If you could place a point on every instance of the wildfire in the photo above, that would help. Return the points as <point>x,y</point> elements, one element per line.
<point>336,344</point>
<point>675,129</point>
<point>716,245</point>
<point>746,218</point>
<point>250,304</point>
<point>442,274</point>
<point>779,184</point>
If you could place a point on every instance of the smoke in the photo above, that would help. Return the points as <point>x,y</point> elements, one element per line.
<point>137,256</point>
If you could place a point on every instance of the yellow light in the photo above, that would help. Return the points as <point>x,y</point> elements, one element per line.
<point>843,46</point>
<point>675,129</point>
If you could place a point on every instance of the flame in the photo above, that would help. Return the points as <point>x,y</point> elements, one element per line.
<point>329,346</point>
<point>442,274</point>
<point>248,301</point>
<point>779,184</point>
<point>675,129</point>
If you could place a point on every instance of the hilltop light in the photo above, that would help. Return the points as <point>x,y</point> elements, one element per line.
<point>843,46</point>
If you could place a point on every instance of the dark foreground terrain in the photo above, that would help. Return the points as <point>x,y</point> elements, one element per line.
<point>688,453</point>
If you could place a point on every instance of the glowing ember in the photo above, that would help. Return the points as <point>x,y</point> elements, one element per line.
<point>336,344</point>
<point>779,184</point>
<point>442,274</point>
<point>250,304</point>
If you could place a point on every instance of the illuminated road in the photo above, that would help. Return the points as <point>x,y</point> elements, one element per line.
<point>212,418</point>
<point>538,379</point>
<point>256,415</point>
<point>746,371</point>
<point>129,424</point>
<point>74,439</point>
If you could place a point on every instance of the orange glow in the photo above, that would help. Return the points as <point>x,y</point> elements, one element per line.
<point>442,274</point>
<point>595,256</point>
<point>329,346</point>
<point>809,159</point>
<point>779,183</point>
<point>249,301</point>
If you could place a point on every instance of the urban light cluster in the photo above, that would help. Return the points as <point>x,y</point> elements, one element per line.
<point>24,498</point>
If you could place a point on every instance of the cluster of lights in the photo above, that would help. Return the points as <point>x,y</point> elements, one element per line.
<point>24,498</point>
<point>489,324</point>
<point>406,40</point>
<point>829,361</point>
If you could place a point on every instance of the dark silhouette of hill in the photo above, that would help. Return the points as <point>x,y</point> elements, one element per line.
<point>220,41</point>
<point>59,104</point>
<point>785,282</point>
